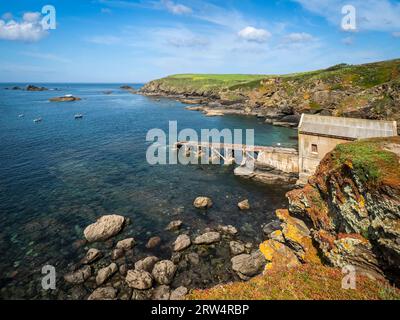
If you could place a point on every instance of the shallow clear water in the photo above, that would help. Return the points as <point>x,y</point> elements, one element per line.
<point>59,175</point>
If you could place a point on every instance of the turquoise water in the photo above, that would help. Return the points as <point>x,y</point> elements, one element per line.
<point>59,175</point>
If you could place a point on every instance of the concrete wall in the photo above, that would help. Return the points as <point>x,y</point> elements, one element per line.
<point>309,160</point>
<point>286,160</point>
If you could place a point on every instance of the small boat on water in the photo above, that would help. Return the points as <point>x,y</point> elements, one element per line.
<point>68,95</point>
<point>37,120</point>
<point>78,116</point>
<point>21,115</point>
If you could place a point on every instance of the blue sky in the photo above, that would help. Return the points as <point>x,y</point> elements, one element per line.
<point>136,41</point>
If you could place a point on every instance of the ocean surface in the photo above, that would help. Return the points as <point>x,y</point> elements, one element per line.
<point>61,174</point>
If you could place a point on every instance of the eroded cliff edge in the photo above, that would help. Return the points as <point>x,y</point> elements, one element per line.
<point>365,91</point>
<point>347,215</point>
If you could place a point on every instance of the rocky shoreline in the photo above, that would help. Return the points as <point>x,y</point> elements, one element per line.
<point>116,272</point>
<point>343,217</point>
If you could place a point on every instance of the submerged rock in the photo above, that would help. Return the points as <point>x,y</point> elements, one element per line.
<point>182,242</point>
<point>203,203</point>
<point>79,276</point>
<point>106,293</point>
<point>208,238</point>
<point>164,271</point>
<point>91,256</point>
<point>139,279</point>
<point>244,205</point>
<point>174,225</point>
<point>104,228</point>
<point>153,242</point>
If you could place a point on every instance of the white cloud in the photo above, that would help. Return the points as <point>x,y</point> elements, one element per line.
<point>298,37</point>
<point>29,29</point>
<point>373,15</point>
<point>176,8</point>
<point>253,34</point>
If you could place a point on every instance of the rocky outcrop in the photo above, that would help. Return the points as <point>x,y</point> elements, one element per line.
<point>349,212</point>
<point>104,228</point>
<point>35,88</point>
<point>366,91</point>
<point>64,99</point>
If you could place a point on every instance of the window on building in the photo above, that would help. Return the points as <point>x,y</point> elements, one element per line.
<point>314,148</point>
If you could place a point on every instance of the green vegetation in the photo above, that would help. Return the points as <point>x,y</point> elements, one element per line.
<point>368,159</point>
<point>307,282</point>
<point>364,76</point>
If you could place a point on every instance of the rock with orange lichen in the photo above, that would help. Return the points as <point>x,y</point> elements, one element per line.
<point>278,255</point>
<point>298,237</point>
<point>352,205</point>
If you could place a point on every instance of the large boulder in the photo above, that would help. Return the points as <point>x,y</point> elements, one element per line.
<point>104,228</point>
<point>153,242</point>
<point>174,225</point>
<point>248,265</point>
<point>208,238</point>
<point>139,279</point>
<point>164,271</point>
<point>182,242</point>
<point>203,203</point>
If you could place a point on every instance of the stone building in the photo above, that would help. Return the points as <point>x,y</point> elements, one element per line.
<point>319,135</point>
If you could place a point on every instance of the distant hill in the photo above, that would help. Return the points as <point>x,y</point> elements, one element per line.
<point>369,91</point>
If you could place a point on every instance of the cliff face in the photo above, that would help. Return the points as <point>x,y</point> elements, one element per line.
<point>352,206</point>
<point>366,91</point>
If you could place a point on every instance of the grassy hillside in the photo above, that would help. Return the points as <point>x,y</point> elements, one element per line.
<point>307,282</point>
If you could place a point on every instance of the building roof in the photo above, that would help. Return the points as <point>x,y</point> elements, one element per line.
<point>347,128</point>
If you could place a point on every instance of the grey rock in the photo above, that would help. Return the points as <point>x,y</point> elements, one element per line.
<point>248,265</point>
<point>236,248</point>
<point>153,242</point>
<point>141,280</point>
<point>164,271</point>
<point>203,203</point>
